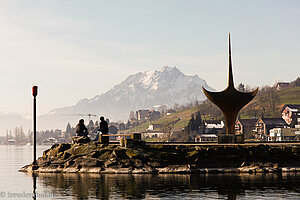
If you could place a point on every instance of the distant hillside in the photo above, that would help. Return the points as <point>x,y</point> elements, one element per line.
<point>180,119</point>
<point>262,104</point>
<point>176,120</point>
<point>290,95</point>
<point>286,96</point>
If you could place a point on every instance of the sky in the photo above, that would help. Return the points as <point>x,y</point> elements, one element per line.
<point>79,49</point>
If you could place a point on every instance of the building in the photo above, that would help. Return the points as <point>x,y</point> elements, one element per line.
<point>112,129</point>
<point>154,126</point>
<point>282,85</point>
<point>218,124</point>
<point>153,115</point>
<point>264,125</point>
<point>153,134</point>
<point>206,138</point>
<point>213,126</point>
<point>246,127</point>
<point>291,115</point>
<point>62,139</point>
<point>11,141</point>
<point>283,134</point>
<point>142,115</point>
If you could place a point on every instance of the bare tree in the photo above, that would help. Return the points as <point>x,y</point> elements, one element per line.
<point>241,87</point>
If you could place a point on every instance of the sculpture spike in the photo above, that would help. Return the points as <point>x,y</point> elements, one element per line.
<point>230,101</point>
<point>230,75</point>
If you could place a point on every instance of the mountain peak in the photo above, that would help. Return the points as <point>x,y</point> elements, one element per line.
<point>167,68</point>
<point>171,70</point>
<point>143,90</point>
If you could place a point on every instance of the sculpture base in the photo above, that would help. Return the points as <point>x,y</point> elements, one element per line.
<point>239,138</point>
<point>226,139</point>
<point>230,139</point>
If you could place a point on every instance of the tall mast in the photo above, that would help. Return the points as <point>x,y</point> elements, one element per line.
<point>230,76</point>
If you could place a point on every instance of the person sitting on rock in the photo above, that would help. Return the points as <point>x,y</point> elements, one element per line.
<point>103,126</point>
<point>103,129</point>
<point>81,130</point>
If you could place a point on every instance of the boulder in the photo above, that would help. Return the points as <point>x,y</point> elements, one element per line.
<point>87,162</point>
<point>120,154</point>
<point>112,163</point>
<point>132,153</point>
<point>104,155</point>
<point>95,154</point>
<point>66,155</point>
<point>80,140</point>
<point>45,153</point>
<point>63,147</point>
<point>42,162</point>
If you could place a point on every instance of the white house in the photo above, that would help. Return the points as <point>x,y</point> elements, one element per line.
<point>283,134</point>
<point>291,113</point>
<point>154,126</point>
<point>206,138</point>
<point>217,124</point>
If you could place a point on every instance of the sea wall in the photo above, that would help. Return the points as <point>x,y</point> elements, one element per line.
<point>98,158</point>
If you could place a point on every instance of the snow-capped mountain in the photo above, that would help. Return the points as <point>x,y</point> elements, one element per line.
<point>168,86</point>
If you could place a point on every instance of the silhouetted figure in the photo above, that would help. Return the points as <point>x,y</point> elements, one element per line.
<point>103,129</point>
<point>103,126</point>
<point>81,130</point>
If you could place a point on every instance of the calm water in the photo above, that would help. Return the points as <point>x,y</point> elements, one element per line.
<point>17,185</point>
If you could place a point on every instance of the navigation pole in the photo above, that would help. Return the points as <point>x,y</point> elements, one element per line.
<point>34,94</point>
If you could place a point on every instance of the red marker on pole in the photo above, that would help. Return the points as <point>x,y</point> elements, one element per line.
<point>34,94</point>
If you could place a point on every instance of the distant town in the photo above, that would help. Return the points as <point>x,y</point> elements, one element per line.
<point>274,115</point>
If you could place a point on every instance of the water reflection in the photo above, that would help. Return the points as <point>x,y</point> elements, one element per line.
<point>34,186</point>
<point>169,186</point>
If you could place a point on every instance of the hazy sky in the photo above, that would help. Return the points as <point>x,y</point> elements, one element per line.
<point>76,49</point>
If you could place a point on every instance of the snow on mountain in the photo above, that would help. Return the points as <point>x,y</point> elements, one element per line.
<point>168,86</point>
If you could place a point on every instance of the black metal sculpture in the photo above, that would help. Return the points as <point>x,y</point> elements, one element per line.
<point>230,101</point>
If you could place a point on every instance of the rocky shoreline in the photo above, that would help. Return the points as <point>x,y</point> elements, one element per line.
<point>93,157</point>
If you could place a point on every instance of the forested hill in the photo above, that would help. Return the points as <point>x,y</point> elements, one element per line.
<point>269,102</point>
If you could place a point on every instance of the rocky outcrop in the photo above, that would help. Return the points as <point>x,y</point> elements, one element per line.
<point>80,139</point>
<point>93,157</point>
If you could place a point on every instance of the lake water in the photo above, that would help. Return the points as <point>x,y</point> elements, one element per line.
<point>18,185</point>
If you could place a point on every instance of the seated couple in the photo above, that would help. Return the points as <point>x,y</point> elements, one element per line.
<point>81,129</point>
